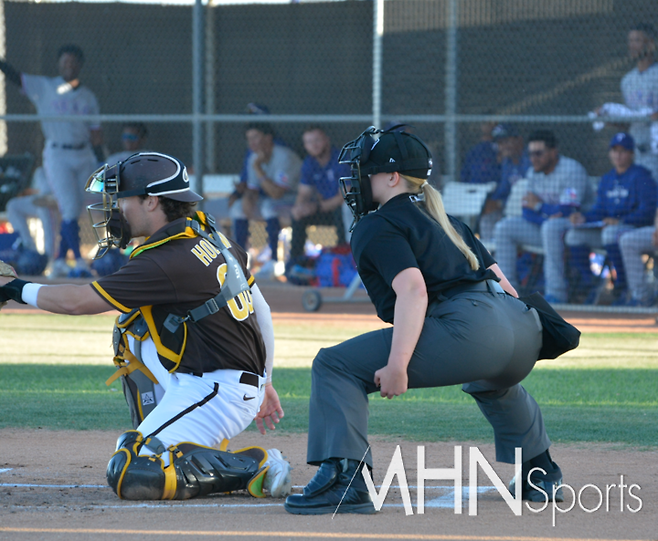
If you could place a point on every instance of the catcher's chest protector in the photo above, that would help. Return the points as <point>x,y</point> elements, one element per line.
<point>136,379</point>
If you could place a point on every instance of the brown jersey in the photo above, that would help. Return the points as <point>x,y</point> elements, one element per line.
<point>175,272</point>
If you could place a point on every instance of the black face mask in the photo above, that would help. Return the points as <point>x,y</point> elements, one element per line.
<point>357,190</point>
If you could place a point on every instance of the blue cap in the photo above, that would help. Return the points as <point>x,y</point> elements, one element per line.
<point>502,131</point>
<point>622,139</point>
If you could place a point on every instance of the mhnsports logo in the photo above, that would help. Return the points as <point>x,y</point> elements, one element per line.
<point>514,501</point>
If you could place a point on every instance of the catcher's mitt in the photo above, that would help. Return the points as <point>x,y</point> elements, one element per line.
<point>9,272</point>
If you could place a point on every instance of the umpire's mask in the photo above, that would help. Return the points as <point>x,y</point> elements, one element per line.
<point>145,173</point>
<point>393,151</point>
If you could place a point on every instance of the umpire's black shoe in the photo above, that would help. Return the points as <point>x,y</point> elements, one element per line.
<point>337,487</point>
<point>545,486</point>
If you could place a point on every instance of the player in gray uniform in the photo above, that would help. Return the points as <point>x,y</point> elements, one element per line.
<point>557,186</point>
<point>72,149</point>
<point>453,323</point>
<point>633,246</point>
<point>273,173</point>
<point>640,90</point>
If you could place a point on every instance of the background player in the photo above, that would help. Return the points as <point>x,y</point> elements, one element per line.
<point>452,323</point>
<point>213,368</point>
<point>72,149</point>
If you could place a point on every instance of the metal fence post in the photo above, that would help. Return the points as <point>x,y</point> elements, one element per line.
<point>197,97</point>
<point>378,36</point>
<point>450,128</point>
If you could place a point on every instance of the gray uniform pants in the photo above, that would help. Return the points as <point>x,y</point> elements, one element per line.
<point>515,231</point>
<point>633,244</point>
<point>487,341</point>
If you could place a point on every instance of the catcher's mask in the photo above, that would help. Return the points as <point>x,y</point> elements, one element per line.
<point>145,173</point>
<point>392,151</point>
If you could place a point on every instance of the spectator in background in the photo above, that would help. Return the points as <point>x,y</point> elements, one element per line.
<point>557,187</point>
<point>133,140</point>
<point>481,163</point>
<point>272,177</point>
<point>33,203</point>
<point>319,199</point>
<point>514,166</point>
<point>626,199</point>
<point>634,245</point>
<point>640,90</point>
<point>72,149</point>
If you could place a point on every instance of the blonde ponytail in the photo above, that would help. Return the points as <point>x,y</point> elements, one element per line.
<point>435,207</point>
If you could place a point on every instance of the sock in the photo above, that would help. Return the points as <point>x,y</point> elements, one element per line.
<point>70,231</point>
<point>272,226</point>
<point>241,232</point>
<point>614,254</point>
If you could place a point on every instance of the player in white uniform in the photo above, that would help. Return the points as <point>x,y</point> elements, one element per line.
<point>72,149</point>
<point>640,90</point>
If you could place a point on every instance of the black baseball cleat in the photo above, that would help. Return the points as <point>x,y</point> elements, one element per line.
<point>337,487</point>
<point>545,486</point>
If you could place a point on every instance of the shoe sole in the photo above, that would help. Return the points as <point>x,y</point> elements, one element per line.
<point>361,509</point>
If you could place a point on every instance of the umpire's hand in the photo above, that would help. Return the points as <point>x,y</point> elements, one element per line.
<point>392,381</point>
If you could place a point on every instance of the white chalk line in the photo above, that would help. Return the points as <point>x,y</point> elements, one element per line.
<point>446,500</point>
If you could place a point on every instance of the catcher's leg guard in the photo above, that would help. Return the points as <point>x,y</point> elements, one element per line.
<point>137,381</point>
<point>203,470</point>
<point>134,477</point>
<point>193,470</point>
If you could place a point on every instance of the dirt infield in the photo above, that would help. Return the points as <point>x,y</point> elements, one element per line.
<point>52,486</point>
<point>52,483</point>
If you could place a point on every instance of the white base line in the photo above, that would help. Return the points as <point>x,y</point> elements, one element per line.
<point>445,500</point>
<point>427,487</point>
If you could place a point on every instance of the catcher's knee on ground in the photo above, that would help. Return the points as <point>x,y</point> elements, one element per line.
<point>193,470</point>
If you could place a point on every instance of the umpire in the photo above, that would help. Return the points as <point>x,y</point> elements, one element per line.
<point>456,320</point>
<point>194,343</point>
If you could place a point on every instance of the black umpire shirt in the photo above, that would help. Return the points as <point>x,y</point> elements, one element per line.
<point>401,235</point>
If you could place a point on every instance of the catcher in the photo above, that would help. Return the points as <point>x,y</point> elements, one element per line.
<point>194,344</point>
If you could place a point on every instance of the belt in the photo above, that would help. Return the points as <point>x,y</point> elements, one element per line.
<point>69,147</point>
<point>486,285</point>
<point>249,379</point>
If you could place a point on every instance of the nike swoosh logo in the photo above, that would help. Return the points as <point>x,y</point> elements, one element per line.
<point>245,397</point>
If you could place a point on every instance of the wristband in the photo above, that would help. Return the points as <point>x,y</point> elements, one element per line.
<point>30,293</point>
<point>14,290</point>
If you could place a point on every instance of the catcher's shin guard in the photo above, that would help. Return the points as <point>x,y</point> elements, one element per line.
<point>203,470</point>
<point>193,470</point>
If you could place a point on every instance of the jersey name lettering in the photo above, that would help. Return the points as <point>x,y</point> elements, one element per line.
<point>206,252</point>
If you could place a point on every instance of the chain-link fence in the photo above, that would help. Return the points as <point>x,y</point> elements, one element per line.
<point>451,68</point>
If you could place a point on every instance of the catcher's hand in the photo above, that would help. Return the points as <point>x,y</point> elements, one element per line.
<point>6,271</point>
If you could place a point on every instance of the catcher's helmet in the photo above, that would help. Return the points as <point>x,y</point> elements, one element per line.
<point>145,173</point>
<point>394,151</point>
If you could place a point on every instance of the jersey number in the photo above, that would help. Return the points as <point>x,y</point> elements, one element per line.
<point>242,305</point>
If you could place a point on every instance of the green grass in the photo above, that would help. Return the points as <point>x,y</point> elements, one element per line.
<point>53,371</point>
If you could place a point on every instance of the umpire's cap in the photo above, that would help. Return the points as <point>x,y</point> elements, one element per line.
<point>401,152</point>
<point>152,173</point>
